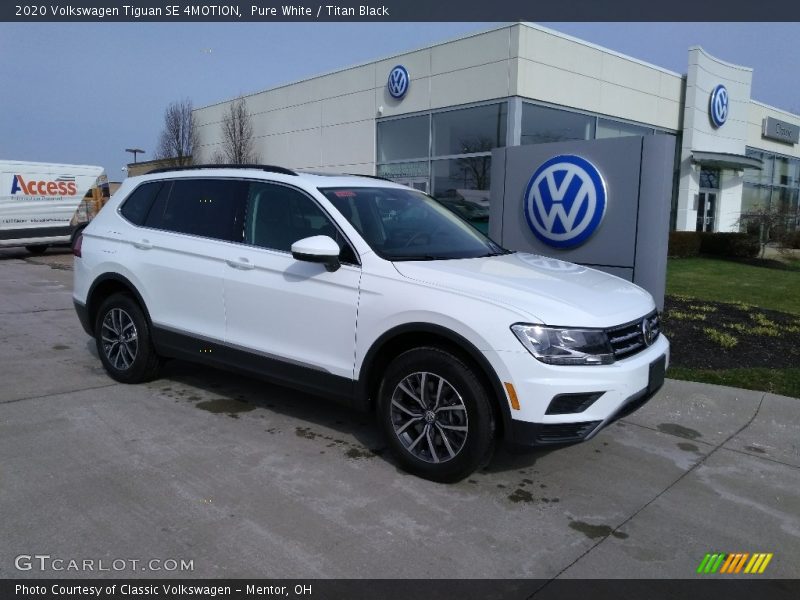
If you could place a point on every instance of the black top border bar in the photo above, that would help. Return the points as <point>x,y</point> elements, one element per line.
<point>34,11</point>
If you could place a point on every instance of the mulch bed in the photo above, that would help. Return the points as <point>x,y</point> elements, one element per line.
<point>764,338</point>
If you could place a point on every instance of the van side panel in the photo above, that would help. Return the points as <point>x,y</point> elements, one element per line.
<point>38,200</point>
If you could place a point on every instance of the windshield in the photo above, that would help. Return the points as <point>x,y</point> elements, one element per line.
<point>403,224</point>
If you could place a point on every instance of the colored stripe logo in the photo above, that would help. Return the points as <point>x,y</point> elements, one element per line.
<point>735,563</point>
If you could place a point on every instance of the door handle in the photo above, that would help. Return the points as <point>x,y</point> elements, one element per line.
<point>143,245</point>
<point>240,263</point>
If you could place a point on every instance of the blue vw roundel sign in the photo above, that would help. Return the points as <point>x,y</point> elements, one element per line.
<point>718,106</point>
<point>565,201</point>
<point>398,82</point>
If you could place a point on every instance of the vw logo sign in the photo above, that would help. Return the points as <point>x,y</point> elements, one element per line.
<point>398,82</point>
<point>718,106</point>
<point>565,201</point>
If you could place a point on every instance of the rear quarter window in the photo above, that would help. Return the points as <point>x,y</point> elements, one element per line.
<point>138,203</point>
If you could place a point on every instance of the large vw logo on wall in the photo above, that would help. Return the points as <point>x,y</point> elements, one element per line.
<point>398,82</point>
<point>718,106</point>
<point>565,201</point>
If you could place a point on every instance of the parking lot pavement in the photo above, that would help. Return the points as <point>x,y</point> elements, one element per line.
<point>249,479</point>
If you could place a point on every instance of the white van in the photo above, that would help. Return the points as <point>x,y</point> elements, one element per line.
<point>38,202</point>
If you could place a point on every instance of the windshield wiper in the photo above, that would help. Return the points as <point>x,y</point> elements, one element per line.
<point>401,257</point>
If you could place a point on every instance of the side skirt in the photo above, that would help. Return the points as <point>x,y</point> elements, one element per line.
<point>173,344</point>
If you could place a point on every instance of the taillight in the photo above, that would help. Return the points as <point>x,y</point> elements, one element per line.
<point>76,246</point>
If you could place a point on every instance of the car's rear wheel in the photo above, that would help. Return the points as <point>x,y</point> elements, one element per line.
<point>37,248</point>
<point>123,340</point>
<point>436,414</point>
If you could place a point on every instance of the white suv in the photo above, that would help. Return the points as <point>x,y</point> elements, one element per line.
<point>368,292</point>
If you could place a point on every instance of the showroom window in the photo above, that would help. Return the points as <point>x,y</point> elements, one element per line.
<point>776,187</point>
<point>541,125</point>
<point>606,128</point>
<point>401,139</point>
<point>469,130</point>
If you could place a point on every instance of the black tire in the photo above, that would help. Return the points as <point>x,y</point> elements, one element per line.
<point>131,357</point>
<point>37,249</point>
<point>458,453</point>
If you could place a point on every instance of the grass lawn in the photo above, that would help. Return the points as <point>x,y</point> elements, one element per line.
<point>733,283</point>
<point>785,382</point>
<point>728,281</point>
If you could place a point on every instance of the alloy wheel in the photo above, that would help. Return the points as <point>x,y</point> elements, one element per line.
<point>429,417</point>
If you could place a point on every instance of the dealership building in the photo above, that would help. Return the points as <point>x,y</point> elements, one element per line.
<point>430,118</point>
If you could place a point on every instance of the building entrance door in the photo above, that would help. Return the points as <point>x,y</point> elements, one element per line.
<point>706,210</point>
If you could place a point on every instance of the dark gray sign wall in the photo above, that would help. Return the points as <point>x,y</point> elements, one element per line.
<point>631,241</point>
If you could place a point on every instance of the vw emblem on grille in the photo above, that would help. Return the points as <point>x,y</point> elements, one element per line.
<point>649,332</point>
<point>718,106</point>
<point>565,201</point>
<point>398,82</point>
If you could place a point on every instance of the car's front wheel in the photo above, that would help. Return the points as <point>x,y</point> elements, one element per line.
<point>436,414</point>
<point>123,340</point>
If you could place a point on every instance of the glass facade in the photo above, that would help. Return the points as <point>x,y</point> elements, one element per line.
<point>776,187</point>
<point>541,124</point>
<point>403,138</point>
<point>448,153</point>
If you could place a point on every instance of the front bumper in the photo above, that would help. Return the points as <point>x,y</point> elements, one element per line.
<point>620,389</point>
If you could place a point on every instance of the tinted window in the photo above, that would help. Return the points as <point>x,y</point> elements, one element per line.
<point>137,205</point>
<point>212,208</point>
<point>278,216</point>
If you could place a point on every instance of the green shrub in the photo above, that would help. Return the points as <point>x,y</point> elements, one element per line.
<point>684,244</point>
<point>791,240</point>
<point>732,245</point>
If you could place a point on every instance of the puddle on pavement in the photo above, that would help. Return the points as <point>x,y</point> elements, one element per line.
<point>687,447</point>
<point>596,531</point>
<point>755,449</point>
<point>679,430</point>
<point>354,451</point>
<point>225,406</point>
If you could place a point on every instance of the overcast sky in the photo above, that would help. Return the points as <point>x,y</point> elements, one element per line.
<point>82,93</point>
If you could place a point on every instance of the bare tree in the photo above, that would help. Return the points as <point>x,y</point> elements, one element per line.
<point>476,168</point>
<point>238,143</point>
<point>178,139</point>
<point>765,221</point>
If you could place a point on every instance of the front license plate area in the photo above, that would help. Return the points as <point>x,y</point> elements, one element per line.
<point>656,378</point>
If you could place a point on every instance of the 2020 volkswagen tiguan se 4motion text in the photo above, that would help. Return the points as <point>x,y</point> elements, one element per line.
<point>369,292</point>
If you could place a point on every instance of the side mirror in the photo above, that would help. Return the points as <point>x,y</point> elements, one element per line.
<point>318,249</point>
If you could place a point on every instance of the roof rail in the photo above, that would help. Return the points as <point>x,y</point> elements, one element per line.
<point>268,168</point>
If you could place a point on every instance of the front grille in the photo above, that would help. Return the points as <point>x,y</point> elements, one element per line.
<point>626,340</point>
<point>565,433</point>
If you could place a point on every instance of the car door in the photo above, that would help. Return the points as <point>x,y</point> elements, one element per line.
<point>299,318</point>
<point>180,252</point>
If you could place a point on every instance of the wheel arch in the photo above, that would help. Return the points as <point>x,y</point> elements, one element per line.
<point>106,285</point>
<point>414,335</point>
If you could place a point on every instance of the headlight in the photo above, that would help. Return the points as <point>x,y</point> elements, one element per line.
<point>561,346</point>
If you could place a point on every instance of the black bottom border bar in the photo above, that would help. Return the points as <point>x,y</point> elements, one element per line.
<point>733,588</point>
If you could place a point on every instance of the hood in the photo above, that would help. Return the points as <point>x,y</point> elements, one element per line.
<point>553,292</point>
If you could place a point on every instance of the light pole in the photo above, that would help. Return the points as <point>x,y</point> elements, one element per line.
<point>134,151</point>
